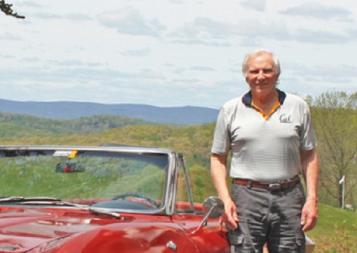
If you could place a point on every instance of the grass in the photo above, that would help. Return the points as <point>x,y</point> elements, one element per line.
<point>336,231</point>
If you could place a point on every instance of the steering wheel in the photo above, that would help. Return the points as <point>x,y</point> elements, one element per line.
<point>137,198</point>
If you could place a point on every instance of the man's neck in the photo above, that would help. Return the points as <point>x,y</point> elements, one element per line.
<point>265,102</point>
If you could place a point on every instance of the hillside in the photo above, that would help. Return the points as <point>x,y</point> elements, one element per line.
<point>18,125</point>
<point>73,110</point>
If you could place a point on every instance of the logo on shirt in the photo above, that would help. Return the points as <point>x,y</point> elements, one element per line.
<point>285,118</point>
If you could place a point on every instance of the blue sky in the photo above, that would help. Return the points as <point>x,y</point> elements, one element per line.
<point>172,52</point>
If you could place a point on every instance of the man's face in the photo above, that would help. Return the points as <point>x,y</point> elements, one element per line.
<point>261,75</point>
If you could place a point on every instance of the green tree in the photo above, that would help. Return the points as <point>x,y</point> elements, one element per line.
<point>335,121</point>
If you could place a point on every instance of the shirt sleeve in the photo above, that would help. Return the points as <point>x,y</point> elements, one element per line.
<point>221,139</point>
<point>307,136</point>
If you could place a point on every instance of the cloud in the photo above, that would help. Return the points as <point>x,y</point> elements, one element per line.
<point>130,21</point>
<point>74,72</point>
<point>204,31</point>
<point>31,60</point>
<point>182,70</point>
<point>254,33</point>
<point>7,56</point>
<point>176,1</point>
<point>77,17</point>
<point>338,74</point>
<point>201,68</point>
<point>45,15</point>
<point>319,11</point>
<point>321,37</point>
<point>209,27</point>
<point>138,52</point>
<point>30,4</point>
<point>258,5</point>
<point>251,32</point>
<point>69,16</point>
<point>9,36</point>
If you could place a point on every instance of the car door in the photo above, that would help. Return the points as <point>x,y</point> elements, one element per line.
<point>208,237</point>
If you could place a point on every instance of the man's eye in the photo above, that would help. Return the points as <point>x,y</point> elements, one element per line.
<point>267,71</point>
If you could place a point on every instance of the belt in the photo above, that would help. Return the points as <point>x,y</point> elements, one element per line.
<point>281,185</point>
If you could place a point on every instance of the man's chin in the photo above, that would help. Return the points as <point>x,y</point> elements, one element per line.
<point>262,91</point>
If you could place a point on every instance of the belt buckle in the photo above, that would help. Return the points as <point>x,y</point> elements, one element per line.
<point>274,186</point>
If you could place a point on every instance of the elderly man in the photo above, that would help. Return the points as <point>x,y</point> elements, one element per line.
<point>271,140</point>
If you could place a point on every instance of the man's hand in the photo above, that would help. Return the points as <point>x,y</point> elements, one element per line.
<point>230,214</point>
<point>311,169</point>
<point>219,174</point>
<point>309,214</point>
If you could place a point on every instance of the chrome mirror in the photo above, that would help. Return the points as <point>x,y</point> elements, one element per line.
<point>213,207</point>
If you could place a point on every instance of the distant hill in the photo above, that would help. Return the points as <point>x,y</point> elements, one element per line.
<point>16,125</point>
<point>73,110</point>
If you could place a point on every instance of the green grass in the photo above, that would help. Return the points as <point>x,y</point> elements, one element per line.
<point>336,231</point>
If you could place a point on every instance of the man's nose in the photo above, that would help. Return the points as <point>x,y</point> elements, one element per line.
<point>261,75</point>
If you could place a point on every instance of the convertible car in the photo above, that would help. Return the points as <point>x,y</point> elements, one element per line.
<point>102,200</point>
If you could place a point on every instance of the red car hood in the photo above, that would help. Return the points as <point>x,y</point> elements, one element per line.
<point>23,229</point>
<point>37,229</point>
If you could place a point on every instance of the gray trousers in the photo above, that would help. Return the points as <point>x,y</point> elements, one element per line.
<point>271,217</point>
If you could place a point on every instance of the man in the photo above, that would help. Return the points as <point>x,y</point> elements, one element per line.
<point>271,140</point>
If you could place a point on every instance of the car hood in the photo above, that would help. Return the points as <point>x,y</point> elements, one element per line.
<point>22,229</point>
<point>25,229</point>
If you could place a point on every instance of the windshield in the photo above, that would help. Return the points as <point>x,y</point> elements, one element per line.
<point>118,180</point>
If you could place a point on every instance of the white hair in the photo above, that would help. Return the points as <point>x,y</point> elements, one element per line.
<point>249,56</point>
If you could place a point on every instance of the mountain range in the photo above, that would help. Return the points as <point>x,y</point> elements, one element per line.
<point>186,115</point>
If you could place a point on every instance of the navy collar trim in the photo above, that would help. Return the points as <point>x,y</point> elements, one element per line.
<point>247,98</point>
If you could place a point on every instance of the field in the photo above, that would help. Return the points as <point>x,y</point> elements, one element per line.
<point>336,231</point>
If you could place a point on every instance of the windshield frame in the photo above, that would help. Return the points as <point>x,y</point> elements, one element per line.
<point>10,151</point>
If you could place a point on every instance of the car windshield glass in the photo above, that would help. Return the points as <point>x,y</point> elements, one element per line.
<point>104,179</point>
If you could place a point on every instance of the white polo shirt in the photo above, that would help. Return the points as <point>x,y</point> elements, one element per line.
<point>265,150</point>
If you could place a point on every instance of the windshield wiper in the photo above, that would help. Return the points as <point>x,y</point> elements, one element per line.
<point>97,210</point>
<point>56,202</point>
<point>14,199</point>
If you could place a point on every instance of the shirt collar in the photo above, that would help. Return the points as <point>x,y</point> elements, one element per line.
<point>247,98</point>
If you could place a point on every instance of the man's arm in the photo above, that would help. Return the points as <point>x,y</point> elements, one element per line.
<point>219,175</point>
<point>311,168</point>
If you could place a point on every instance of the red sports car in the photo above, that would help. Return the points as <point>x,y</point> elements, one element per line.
<point>102,200</point>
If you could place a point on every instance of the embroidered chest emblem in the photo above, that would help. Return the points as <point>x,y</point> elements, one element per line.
<point>285,118</point>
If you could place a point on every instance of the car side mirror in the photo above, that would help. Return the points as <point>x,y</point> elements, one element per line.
<point>213,207</point>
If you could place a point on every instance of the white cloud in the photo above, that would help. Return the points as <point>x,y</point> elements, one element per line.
<point>9,36</point>
<point>44,15</point>
<point>258,5</point>
<point>130,21</point>
<point>136,52</point>
<point>319,10</point>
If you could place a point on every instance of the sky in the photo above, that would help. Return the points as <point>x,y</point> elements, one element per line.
<point>172,52</point>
